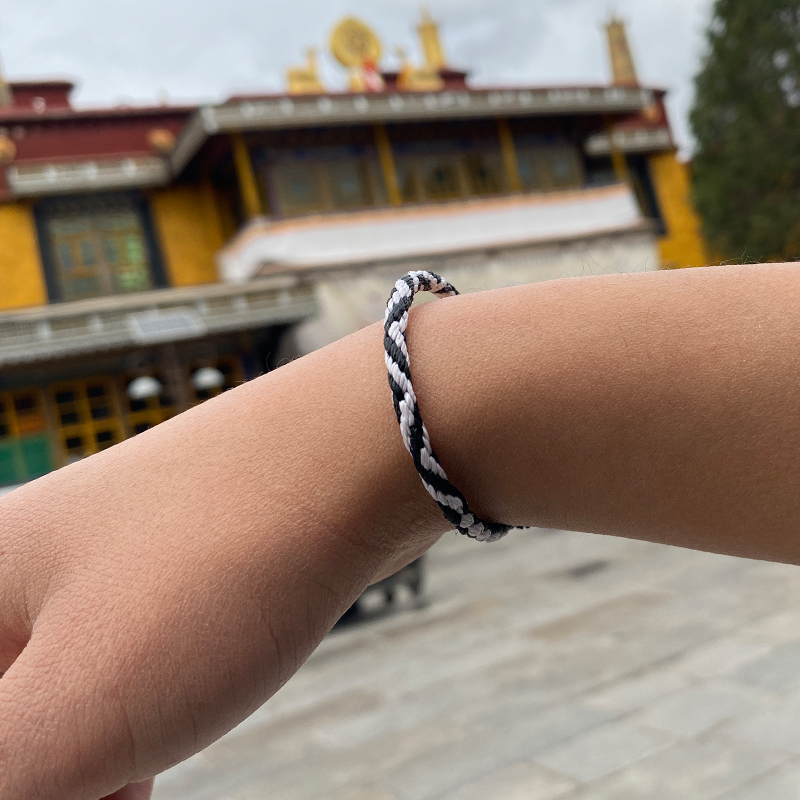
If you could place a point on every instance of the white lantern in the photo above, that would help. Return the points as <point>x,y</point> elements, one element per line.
<point>144,387</point>
<point>208,378</point>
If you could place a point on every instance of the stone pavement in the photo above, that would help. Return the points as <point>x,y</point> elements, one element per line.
<point>548,665</point>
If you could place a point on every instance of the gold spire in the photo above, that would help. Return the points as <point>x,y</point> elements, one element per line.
<point>6,97</point>
<point>428,31</point>
<point>622,69</point>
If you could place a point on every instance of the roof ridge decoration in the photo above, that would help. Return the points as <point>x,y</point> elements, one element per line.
<point>358,48</point>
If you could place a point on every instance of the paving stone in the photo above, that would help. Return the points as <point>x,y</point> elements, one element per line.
<point>722,656</point>
<point>530,672</point>
<point>362,793</point>
<point>777,628</point>
<point>780,784</point>
<point>522,781</point>
<point>520,737</point>
<point>488,744</point>
<point>777,671</point>
<point>603,750</point>
<point>630,694</point>
<point>693,710</point>
<point>775,726</point>
<point>701,768</point>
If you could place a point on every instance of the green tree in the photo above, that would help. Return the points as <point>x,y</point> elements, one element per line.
<point>746,120</point>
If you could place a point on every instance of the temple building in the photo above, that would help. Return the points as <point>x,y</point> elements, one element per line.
<point>154,257</point>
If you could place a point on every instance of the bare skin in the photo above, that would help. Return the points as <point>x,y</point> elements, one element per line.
<point>154,595</point>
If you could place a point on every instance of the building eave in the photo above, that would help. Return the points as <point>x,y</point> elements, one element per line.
<point>631,140</point>
<point>387,107</point>
<point>61,177</point>
<point>45,333</point>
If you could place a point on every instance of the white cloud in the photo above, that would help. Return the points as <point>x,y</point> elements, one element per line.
<point>134,50</point>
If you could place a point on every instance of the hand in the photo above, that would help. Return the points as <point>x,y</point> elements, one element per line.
<point>154,595</point>
<point>133,791</point>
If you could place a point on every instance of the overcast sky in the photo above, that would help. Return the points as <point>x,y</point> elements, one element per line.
<point>142,50</point>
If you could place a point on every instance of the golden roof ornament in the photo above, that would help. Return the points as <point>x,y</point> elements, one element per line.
<point>305,79</point>
<point>353,43</point>
<point>8,150</point>
<point>428,31</point>
<point>162,140</point>
<point>622,68</point>
<point>6,96</point>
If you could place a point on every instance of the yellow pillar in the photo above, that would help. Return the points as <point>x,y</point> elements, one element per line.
<point>618,160</point>
<point>21,274</point>
<point>248,187</point>
<point>388,168</point>
<point>684,245</point>
<point>509,151</point>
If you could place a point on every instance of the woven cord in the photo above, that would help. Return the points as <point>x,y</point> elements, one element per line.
<point>415,435</point>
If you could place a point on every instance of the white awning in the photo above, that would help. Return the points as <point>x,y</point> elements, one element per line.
<point>341,240</point>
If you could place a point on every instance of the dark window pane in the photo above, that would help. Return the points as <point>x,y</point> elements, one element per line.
<point>349,185</point>
<point>74,443</point>
<point>408,184</point>
<point>299,188</point>
<point>112,254</point>
<point>103,412</point>
<point>25,403</point>
<point>65,256</point>
<point>65,397</point>
<point>141,427</point>
<point>88,254</point>
<point>104,436</point>
<point>69,418</point>
<point>441,182</point>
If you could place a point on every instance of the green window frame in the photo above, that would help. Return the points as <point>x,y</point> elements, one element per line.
<point>98,245</point>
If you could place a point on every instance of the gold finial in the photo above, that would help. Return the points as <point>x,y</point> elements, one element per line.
<point>305,79</point>
<point>416,79</point>
<point>428,31</point>
<point>6,96</point>
<point>622,69</point>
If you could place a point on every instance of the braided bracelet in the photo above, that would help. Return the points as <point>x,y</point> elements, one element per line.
<point>415,435</point>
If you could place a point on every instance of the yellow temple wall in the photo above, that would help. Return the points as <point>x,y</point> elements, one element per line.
<point>683,246</point>
<point>21,276</point>
<point>190,233</point>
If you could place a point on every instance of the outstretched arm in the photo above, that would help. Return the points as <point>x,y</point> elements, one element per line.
<point>154,595</point>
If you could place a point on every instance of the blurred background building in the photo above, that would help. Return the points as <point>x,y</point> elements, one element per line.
<point>154,257</point>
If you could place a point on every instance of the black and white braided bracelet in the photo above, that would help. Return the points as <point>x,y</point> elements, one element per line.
<point>415,435</point>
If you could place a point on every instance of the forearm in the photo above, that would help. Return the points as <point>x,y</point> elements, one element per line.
<point>178,579</point>
<point>660,405</point>
<point>231,538</point>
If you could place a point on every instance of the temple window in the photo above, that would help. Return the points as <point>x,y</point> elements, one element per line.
<point>25,448</point>
<point>97,246</point>
<point>549,166</point>
<point>320,180</point>
<point>324,181</point>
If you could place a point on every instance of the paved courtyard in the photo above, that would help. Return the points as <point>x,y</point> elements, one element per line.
<point>548,665</point>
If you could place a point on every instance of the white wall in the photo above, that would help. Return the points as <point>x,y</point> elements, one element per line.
<point>352,299</point>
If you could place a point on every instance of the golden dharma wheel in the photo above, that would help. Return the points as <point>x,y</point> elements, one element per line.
<point>353,43</point>
<point>8,150</point>
<point>162,140</point>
